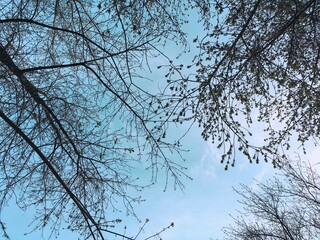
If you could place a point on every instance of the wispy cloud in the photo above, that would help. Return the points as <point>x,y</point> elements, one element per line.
<point>205,168</point>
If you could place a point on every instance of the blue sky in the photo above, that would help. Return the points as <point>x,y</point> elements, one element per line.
<point>202,209</point>
<point>198,213</point>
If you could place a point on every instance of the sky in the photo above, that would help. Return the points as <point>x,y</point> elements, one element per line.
<point>200,210</point>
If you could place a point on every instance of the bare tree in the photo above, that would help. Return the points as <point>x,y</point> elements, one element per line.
<point>286,207</point>
<point>74,118</point>
<point>259,63</point>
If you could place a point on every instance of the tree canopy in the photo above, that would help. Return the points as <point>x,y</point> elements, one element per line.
<point>74,119</point>
<point>258,63</point>
<point>286,207</point>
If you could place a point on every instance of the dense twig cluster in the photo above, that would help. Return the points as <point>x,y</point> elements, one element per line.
<point>287,207</point>
<point>259,63</point>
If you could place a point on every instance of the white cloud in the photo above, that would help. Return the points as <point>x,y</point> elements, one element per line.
<point>204,169</point>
